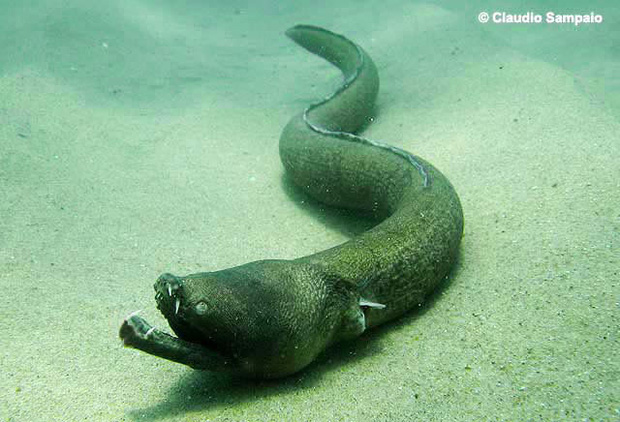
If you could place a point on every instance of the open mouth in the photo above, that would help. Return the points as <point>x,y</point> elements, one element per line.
<point>189,347</point>
<point>139,334</point>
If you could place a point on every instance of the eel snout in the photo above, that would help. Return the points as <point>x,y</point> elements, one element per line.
<point>169,293</point>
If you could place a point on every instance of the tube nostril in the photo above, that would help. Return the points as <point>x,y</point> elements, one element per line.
<point>167,278</point>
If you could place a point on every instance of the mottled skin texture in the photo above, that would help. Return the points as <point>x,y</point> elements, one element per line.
<point>271,318</point>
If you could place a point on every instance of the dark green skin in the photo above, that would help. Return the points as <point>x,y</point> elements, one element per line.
<point>271,318</point>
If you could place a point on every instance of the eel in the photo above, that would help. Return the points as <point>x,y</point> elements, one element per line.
<point>271,318</point>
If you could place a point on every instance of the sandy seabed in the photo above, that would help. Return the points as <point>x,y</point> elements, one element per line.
<point>141,137</point>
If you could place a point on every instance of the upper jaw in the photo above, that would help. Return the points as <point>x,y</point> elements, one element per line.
<point>169,294</point>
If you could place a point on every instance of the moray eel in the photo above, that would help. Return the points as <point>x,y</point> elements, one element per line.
<point>271,318</point>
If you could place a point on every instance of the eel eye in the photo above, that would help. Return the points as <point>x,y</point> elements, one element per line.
<point>201,308</point>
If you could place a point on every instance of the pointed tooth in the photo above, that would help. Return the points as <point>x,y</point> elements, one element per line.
<point>169,290</point>
<point>132,314</point>
<point>176,306</point>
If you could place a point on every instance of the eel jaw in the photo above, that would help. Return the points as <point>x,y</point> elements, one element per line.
<point>169,294</point>
<point>139,334</point>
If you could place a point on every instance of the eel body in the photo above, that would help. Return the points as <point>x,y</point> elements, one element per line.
<point>271,318</point>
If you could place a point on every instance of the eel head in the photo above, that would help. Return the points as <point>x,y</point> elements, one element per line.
<point>263,319</point>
